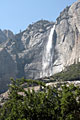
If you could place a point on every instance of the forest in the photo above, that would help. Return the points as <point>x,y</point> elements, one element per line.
<point>46,103</point>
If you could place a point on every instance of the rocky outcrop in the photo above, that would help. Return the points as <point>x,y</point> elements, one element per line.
<point>21,55</point>
<point>8,68</point>
<point>9,34</point>
<point>3,37</point>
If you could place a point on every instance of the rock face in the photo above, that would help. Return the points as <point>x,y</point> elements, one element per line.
<point>68,37</point>
<point>21,55</point>
<point>3,37</point>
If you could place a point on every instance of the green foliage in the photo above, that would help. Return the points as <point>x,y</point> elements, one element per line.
<point>47,103</point>
<point>71,73</point>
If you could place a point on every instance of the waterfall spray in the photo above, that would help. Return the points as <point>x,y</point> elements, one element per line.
<point>48,55</point>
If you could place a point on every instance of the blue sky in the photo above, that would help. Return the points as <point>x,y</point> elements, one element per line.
<point>18,14</point>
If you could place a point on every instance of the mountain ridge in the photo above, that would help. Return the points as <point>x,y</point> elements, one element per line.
<point>21,54</point>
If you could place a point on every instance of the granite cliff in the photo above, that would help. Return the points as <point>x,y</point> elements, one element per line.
<point>24,54</point>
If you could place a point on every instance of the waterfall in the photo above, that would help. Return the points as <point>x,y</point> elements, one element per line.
<point>47,59</point>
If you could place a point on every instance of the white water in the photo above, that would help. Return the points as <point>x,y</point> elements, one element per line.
<point>48,56</point>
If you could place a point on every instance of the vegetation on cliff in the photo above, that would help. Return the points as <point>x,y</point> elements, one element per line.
<point>70,73</point>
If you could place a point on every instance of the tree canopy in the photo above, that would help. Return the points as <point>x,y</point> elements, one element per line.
<point>47,103</point>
